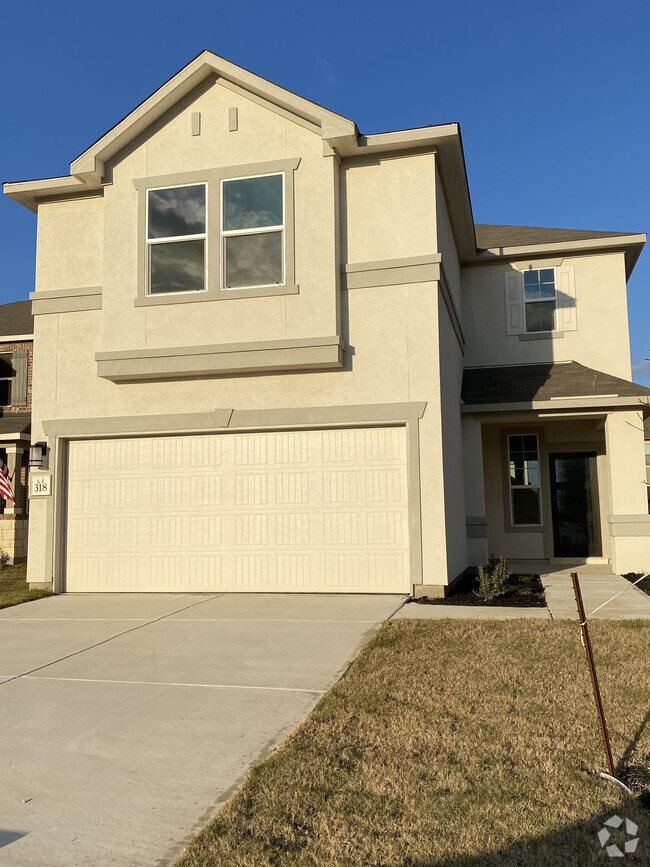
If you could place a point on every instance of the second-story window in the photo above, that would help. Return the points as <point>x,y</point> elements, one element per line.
<point>176,233</point>
<point>252,244</point>
<point>539,299</point>
<point>6,377</point>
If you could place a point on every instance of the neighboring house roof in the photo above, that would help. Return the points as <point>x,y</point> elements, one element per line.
<point>524,383</point>
<point>14,423</point>
<point>489,236</point>
<point>16,319</point>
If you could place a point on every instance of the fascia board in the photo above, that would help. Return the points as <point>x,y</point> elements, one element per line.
<point>630,244</point>
<point>27,192</point>
<point>570,404</point>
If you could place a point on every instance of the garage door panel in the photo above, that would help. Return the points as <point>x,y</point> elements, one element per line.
<point>304,511</point>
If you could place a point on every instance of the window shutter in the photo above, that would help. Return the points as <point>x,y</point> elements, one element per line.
<point>514,303</point>
<point>567,319</point>
<point>19,384</point>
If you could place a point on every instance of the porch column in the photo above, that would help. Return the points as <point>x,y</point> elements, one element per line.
<point>14,459</point>
<point>628,522</point>
<point>476,521</point>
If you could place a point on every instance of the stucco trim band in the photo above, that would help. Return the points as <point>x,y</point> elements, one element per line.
<point>272,355</point>
<point>66,300</point>
<point>391,272</point>
<point>629,525</point>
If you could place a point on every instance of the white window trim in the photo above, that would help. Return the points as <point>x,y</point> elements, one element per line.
<point>539,300</point>
<point>257,230</point>
<point>512,487</point>
<point>173,239</point>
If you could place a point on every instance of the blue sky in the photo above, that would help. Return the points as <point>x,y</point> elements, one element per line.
<point>552,98</point>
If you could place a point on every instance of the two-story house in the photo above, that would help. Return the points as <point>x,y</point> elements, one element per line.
<point>16,342</point>
<point>274,354</point>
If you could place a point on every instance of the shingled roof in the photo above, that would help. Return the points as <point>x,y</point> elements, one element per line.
<point>489,236</point>
<point>15,423</point>
<point>524,383</point>
<point>16,319</point>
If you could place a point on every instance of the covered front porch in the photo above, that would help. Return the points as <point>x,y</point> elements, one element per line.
<point>14,518</point>
<point>559,477</point>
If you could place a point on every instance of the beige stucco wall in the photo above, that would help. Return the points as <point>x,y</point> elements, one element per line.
<point>629,521</point>
<point>388,208</point>
<point>382,210</point>
<point>393,358</point>
<point>70,244</point>
<point>451,376</point>
<point>600,341</point>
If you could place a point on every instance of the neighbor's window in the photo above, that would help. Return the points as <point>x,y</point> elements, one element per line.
<point>647,454</point>
<point>539,299</point>
<point>6,376</point>
<point>252,229</point>
<point>176,232</point>
<point>523,465</point>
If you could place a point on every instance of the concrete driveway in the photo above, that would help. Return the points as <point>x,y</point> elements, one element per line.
<point>126,720</point>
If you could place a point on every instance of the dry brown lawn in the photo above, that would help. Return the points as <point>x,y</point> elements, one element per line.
<point>14,588</point>
<point>459,743</point>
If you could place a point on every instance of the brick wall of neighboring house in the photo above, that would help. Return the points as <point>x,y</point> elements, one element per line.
<point>13,528</point>
<point>10,347</point>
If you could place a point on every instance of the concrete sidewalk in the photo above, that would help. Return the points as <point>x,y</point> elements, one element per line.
<point>127,719</point>
<point>596,588</point>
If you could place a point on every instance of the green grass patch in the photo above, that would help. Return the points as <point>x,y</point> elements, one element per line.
<point>14,588</point>
<point>456,743</point>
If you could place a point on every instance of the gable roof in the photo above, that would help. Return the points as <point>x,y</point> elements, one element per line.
<point>524,383</point>
<point>338,133</point>
<point>16,319</point>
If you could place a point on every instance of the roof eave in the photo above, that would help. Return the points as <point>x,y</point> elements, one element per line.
<point>631,245</point>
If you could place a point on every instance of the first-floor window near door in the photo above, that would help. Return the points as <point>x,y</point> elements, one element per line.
<point>523,467</point>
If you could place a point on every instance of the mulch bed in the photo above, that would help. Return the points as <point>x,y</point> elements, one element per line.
<point>524,591</point>
<point>643,585</point>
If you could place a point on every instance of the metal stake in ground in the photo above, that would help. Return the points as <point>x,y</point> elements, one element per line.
<point>592,671</point>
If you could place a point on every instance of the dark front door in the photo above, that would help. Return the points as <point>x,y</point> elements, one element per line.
<point>573,501</point>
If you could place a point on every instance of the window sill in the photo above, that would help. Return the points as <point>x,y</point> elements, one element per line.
<point>542,335</point>
<point>219,295</point>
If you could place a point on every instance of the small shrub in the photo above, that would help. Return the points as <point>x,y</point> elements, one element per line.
<point>492,579</point>
<point>4,558</point>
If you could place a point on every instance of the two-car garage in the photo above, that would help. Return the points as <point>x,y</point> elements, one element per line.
<point>320,510</point>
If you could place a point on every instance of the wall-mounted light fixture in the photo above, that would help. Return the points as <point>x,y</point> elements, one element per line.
<point>38,456</point>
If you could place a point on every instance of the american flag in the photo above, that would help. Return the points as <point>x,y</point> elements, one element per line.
<point>5,487</point>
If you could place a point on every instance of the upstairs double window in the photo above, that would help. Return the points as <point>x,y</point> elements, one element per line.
<point>222,234</point>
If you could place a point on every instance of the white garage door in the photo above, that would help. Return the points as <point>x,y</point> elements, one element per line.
<point>299,511</point>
